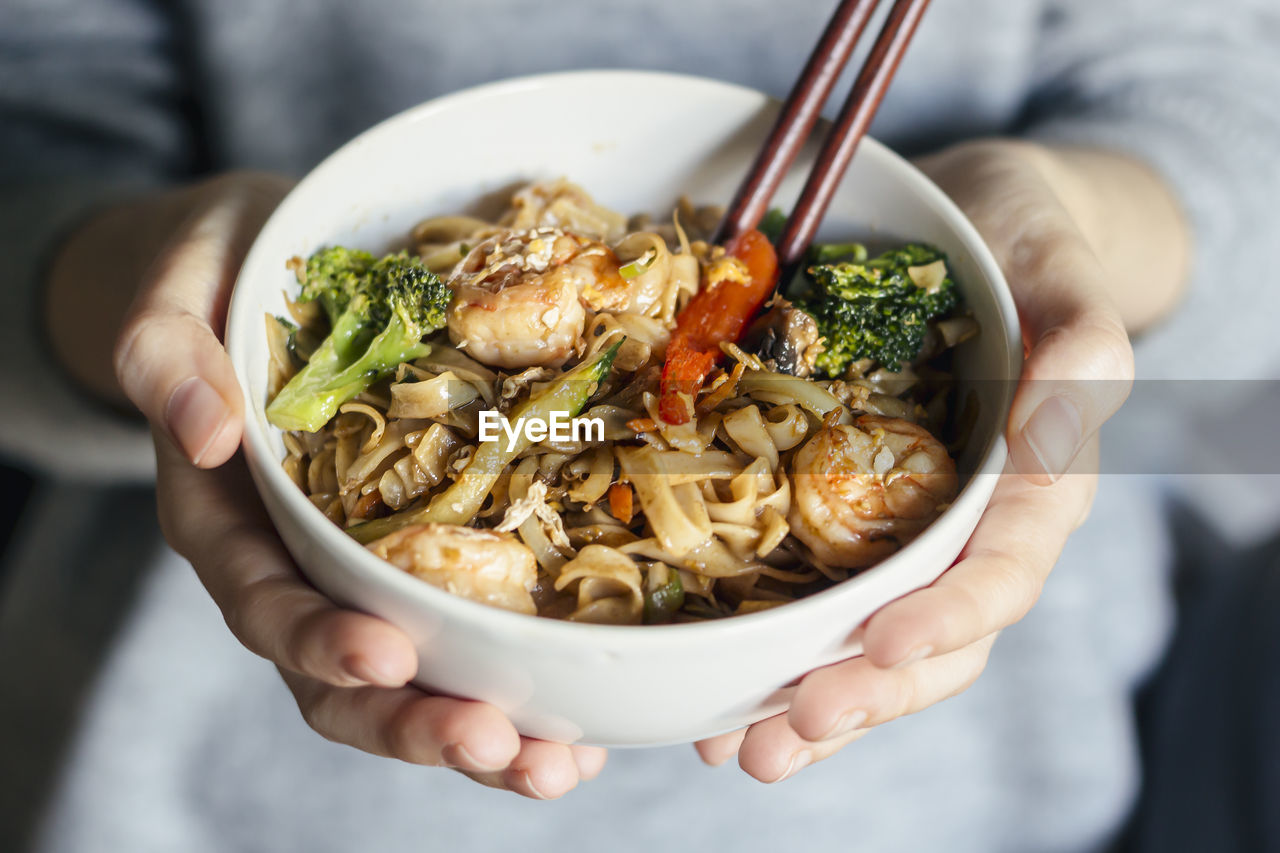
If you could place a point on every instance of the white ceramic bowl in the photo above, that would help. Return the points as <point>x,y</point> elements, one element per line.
<point>636,141</point>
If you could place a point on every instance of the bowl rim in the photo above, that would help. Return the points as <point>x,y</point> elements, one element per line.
<point>271,476</point>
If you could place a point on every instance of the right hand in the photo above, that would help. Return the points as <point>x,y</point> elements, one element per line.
<point>934,642</point>
<point>349,671</point>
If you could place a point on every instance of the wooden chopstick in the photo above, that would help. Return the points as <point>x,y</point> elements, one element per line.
<point>796,119</point>
<point>847,131</point>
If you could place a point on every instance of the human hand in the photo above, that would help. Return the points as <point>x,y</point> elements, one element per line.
<point>348,671</point>
<point>934,643</point>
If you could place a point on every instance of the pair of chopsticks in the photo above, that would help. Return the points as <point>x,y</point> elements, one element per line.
<point>800,112</point>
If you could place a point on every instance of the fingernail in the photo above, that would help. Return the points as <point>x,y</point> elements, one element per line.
<point>459,756</point>
<point>370,672</point>
<point>533,789</point>
<point>195,415</point>
<point>1053,433</point>
<point>844,725</point>
<point>800,759</point>
<point>916,655</point>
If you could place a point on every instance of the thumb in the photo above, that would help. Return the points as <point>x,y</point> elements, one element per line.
<point>169,357</point>
<point>1079,365</point>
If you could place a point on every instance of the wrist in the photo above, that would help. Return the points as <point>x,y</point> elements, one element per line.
<point>92,281</point>
<point>1125,213</point>
<point>99,268</point>
<point>1133,223</point>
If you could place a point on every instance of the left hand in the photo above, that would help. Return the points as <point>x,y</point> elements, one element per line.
<point>933,643</point>
<point>348,671</point>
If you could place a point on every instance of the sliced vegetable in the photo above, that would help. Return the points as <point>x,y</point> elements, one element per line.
<point>639,266</point>
<point>719,312</point>
<point>621,503</point>
<point>663,594</point>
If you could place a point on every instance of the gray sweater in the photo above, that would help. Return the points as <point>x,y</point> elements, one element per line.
<point>181,740</point>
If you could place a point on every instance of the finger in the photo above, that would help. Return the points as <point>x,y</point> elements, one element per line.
<point>169,358</point>
<point>542,771</point>
<point>1079,365</point>
<point>1077,374</point>
<point>855,694</point>
<point>771,751</point>
<point>590,760</point>
<point>266,603</point>
<point>719,749</point>
<point>408,724</point>
<point>998,577</point>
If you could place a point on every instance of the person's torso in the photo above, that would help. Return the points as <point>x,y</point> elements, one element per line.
<point>280,84</point>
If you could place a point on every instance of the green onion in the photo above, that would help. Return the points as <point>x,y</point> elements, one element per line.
<point>639,266</point>
<point>664,594</point>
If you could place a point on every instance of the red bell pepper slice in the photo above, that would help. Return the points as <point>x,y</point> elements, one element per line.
<point>716,313</point>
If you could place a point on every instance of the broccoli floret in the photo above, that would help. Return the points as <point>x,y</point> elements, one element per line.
<point>332,276</point>
<point>379,311</point>
<point>876,308</point>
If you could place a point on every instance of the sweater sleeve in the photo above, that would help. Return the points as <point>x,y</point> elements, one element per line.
<point>1190,89</point>
<point>92,111</point>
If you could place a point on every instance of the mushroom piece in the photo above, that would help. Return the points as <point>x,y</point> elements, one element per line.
<point>785,339</point>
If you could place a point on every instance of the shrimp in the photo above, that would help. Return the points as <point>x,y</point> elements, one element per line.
<point>496,570</point>
<point>521,297</point>
<point>863,491</point>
